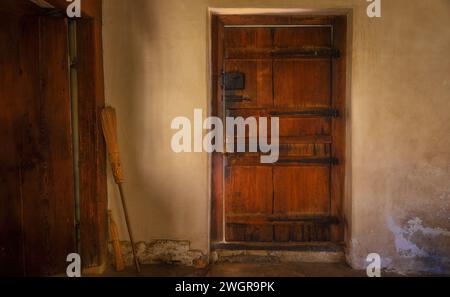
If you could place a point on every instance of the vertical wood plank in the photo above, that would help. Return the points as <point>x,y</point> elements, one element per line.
<point>217,162</point>
<point>55,203</point>
<point>11,235</point>
<point>93,200</point>
<point>48,206</point>
<point>302,190</point>
<point>31,153</point>
<point>302,83</point>
<point>339,128</point>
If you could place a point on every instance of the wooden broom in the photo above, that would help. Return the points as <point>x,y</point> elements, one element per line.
<point>109,124</point>
<point>114,235</point>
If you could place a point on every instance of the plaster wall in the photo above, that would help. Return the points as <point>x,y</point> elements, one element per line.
<point>398,198</point>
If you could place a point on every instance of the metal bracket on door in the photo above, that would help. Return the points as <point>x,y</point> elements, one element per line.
<point>326,112</point>
<point>308,52</point>
<point>331,161</point>
<point>230,96</point>
<point>233,81</point>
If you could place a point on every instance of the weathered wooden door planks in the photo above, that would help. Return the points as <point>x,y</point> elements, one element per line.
<point>294,69</point>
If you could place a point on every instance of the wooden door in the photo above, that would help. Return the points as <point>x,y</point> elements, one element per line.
<point>293,69</point>
<point>36,164</point>
<point>38,221</point>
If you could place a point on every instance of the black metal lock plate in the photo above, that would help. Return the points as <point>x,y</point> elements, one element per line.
<point>233,81</point>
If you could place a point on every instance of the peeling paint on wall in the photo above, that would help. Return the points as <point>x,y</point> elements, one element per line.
<point>415,225</point>
<point>421,244</point>
<point>163,251</point>
<point>403,243</point>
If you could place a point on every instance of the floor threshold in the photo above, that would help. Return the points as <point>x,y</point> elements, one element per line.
<point>271,246</point>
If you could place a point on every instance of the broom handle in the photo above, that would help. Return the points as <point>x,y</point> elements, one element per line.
<point>109,125</point>
<point>130,232</point>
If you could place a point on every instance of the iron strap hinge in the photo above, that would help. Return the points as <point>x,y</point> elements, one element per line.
<point>308,52</point>
<point>326,112</point>
<point>331,161</point>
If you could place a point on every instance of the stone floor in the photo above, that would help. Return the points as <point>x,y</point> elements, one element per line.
<point>247,270</point>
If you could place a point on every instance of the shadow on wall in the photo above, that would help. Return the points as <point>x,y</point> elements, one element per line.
<point>130,58</point>
<point>153,72</point>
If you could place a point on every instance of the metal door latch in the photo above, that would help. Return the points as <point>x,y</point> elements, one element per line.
<point>233,81</point>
